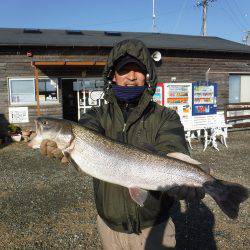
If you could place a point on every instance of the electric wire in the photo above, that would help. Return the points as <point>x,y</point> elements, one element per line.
<point>239,10</point>
<point>180,15</point>
<point>234,15</point>
<point>229,15</point>
<point>131,19</point>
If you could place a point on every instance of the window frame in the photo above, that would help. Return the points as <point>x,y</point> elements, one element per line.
<point>240,75</point>
<point>43,103</point>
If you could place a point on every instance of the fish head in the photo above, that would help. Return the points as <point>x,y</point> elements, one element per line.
<point>54,129</point>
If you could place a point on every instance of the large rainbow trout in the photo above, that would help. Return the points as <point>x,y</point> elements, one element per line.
<point>134,168</point>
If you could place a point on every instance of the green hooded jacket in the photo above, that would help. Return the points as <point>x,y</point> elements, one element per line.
<point>149,126</point>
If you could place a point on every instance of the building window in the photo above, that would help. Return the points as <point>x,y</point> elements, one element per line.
<point>23,91</point>
<point>47,90</point>
<point>239,86</point>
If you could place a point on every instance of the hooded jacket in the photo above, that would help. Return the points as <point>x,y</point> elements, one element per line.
<point>148,126</point>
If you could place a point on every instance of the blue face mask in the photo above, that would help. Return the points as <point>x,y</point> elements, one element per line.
<point>128,94</point>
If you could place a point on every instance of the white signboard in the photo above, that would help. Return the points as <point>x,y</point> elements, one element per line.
<point>18,114</point>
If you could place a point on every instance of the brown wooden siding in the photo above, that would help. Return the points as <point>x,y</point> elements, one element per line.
<point>20,66</point>
<point>186,67</point>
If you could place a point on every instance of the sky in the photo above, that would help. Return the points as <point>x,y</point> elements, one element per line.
<point>228,19</point>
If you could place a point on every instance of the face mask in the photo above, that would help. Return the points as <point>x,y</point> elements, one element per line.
<point>128,94</point>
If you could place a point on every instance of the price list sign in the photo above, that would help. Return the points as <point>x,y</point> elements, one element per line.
<point>18,114</point>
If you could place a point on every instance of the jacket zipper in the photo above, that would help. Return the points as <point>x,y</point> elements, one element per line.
<point>124,133</point>
<point>129,225</point>
<point>124,126</point>
<point>134,207</point>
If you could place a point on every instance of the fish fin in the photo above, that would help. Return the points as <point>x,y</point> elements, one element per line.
<point>67,151</point>
<point>73,163</point>
<point>183,157</point>
<point>138,195</point>
<point>70,148</point>
<point>227,195</point>
<point>67,155</point>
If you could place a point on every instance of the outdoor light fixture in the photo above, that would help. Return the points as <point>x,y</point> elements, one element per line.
<point>156,56</point>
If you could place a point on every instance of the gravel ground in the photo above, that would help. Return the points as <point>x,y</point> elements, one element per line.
<point>44,205</point>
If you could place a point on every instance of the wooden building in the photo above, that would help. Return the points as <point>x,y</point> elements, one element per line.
<point>43,64</point>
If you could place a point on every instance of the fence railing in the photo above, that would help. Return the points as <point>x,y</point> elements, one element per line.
<point>237,115</point>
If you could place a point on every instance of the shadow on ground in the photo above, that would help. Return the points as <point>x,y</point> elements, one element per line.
<point>194,224</point>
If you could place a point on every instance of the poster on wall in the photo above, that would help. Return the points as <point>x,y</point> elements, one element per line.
<point>18,114</point>
<point>178,96</point>
<point>204,98</point>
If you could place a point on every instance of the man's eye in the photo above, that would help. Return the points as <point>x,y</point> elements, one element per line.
<point>44,122</point>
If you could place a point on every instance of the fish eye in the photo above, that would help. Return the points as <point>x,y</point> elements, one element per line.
<point>44,122</point>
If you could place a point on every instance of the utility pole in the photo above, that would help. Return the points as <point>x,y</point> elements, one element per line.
<point>154,18</point>
<point>246,39</point>
<point>204,18</point>
<point>204,4</point>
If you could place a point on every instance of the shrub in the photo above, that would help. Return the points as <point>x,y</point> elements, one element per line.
<point>13,129</point>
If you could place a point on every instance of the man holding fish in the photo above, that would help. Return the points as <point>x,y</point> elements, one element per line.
<point>127,209</point>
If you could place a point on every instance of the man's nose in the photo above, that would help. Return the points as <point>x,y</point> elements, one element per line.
<point>131,75</point>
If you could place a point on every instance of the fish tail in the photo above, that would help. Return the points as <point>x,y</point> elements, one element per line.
<point>227,195</point>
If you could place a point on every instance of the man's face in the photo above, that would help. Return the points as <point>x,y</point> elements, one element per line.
<point>129,75</point>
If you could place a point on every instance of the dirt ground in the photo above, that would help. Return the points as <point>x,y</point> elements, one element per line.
<point>44,205</point>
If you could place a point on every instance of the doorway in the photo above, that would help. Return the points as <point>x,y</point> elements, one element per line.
<point>69,100</point>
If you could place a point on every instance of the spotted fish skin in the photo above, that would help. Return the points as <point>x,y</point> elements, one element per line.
<point>131,167</point>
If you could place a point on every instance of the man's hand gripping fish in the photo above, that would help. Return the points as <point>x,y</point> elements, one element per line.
<point>133,168</point>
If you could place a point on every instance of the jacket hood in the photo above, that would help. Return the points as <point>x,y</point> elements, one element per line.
<point>137,49</point>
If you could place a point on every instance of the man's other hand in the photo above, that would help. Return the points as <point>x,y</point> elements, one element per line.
<point>49,148</point>
<point>189,193</point>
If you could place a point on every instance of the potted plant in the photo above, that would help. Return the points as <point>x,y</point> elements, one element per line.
<point>15,132</point>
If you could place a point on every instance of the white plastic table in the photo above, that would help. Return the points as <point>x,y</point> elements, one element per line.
<point>213,123</point>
